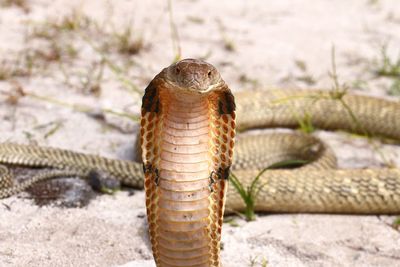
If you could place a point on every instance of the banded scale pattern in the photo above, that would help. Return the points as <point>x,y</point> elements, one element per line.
<point>35,156</point>
<point>324,109</point>
<point>363,191</point>
<point>187,144</point>
<point>50,174</point>
<point>6,180</point>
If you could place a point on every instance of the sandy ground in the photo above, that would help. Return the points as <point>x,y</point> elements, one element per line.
<point>255,44</point>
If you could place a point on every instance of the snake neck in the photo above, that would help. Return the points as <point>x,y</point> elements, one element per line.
<point>182,228</point>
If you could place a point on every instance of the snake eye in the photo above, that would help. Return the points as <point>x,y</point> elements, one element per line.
<point>177,70</point>
<point>209,74</point>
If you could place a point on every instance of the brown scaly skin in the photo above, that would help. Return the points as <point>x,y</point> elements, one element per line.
<point>187,138</point>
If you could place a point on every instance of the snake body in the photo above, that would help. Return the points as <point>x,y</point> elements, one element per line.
<point>182,152</point>
<point>187,138</point>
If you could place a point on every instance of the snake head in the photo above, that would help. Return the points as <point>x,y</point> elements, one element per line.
<point>194,75</point>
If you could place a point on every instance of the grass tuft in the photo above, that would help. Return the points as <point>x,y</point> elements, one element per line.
<point>246,80</point>
<point>249,194</point>
<point>15,94</point>
<point>255,262</point>
<point>127,42</point>
<point>305,76</point>
<point>387,66</point>
<point>339,91</point>
<point>13,68</point>
<point>73,21</point>
<point>22,4</point>
<point>305,123</point>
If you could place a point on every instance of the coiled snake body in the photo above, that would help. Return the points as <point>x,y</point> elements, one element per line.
<point>187,138</point>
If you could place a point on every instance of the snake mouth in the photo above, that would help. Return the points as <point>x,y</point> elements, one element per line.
<point>193,87</point>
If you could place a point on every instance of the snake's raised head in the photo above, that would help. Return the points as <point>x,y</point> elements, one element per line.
<point>193,75</point>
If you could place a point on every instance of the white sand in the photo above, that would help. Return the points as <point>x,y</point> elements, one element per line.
<point>268,38</point>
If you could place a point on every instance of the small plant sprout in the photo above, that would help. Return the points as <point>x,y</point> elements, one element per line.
<point>127,42</point>
<point>305,76</point>
<point>249,194</point>
<point>254,261</point>
<point>305,123</point>
<point>339,91</point>
<point>387,66</point>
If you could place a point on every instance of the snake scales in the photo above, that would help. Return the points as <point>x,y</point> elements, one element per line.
<point>317,187</point>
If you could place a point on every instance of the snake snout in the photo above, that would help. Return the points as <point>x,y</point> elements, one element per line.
<point>194,80</point>
<point>194,74</point>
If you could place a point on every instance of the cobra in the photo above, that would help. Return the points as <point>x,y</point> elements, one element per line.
<point>187,137</point>
<point>188,115</point>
